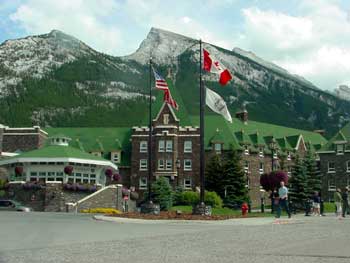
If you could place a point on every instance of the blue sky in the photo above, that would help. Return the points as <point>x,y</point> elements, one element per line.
<point>310,38</point>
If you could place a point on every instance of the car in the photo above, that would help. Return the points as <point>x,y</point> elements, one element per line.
<point>10,205</point>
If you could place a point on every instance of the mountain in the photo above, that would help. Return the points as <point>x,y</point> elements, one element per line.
<point>57,80</point>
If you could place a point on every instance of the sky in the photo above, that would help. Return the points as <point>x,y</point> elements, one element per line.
<point>310,38</point>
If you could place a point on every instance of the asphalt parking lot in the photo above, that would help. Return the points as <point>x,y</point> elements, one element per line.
<point>59,237</point>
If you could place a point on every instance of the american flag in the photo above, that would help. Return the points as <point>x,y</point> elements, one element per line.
<point>160,82</point>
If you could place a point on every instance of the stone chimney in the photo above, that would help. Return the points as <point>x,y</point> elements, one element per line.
<point>242,115</point>
<point>322,132</point>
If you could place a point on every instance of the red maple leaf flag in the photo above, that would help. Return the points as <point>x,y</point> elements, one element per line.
<point>212,65</point>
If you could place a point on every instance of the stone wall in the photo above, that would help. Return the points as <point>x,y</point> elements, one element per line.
<point>25,139</point>
<point>339,179</point>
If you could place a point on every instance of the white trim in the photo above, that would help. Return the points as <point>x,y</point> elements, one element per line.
<point>166,172</point>
<point>17,182</point>
<point>166,127</point>
<point>9,154</point>
<point>188,135</point>
<point>61,159</point>
<point>171,111</point>
<point>17,133</point>
<point>188,128</point>
<point>299,139</point>
<point>166,134</point>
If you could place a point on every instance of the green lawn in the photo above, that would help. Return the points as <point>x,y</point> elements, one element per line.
<point>329,207</point>
<point>220,211</point>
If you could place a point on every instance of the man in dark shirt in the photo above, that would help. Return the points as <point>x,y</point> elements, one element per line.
<point>345,197</point>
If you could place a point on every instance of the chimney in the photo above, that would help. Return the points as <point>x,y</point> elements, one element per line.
<point>243,116</point>
<point>322,132</point>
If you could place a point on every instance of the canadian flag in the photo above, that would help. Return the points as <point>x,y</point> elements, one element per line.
<point>212,65</point>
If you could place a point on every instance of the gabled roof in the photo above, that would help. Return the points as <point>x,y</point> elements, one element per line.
<point>342,136</point>
<point>217,138</point>
<point>257,139</point>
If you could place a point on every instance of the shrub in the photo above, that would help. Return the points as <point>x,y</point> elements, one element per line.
<point>178,196</point>
<point>190,198</point>
<point>212,199</point>
<point>101,210</point>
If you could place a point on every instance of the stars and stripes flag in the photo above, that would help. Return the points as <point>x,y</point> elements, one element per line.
<point>160,81</point>
<point>161,84</point>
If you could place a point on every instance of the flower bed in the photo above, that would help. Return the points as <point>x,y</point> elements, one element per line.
<point>99,210</point>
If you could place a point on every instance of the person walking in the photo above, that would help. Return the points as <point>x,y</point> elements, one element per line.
<point>345,197</point>
<point>316,202</point>
<point>338,202</point>
<point>283,200</point>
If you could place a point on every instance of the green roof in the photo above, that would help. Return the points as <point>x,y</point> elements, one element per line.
<point>341,136</point>
<point>255,133</point>
<point>106,140</point>
<point>58,151</point>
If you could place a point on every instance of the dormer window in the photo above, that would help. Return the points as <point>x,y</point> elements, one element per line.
<point>246,150</point>
<point>246,167</point>
<point>289,156</point>
<point>217,147</point>
<point>261,152</point>
<point>275,155</point>
<point>340,148</point>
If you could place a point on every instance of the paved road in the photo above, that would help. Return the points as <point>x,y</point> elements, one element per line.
<point>53,237</point>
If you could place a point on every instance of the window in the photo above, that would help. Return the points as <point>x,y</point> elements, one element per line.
<point>246,167</point>
<point>33,176</point>
<point>331,167</point>
<point>161,164</point>
<point>143,146</point>
<point>348,166</point>
<point>161,146</point>
<point>86,178</point>
<point>188,183</point>
<point>340,148</point>
<point>169,164</point>
<point>246,150</point>
<point>78,178</point>
<point>275,155</point>
<point>143,165</point>
<point>217,147</point>
<point>115,157</point>
<point>331,184</point>
<point>99,154</point>
<point>42,176</point>
<point>166,119</point>
<point>289,157</point>
<point>50,176</point>
<point>261,168</point>
<point>247,182</point>
<point>188,146</point>
<point>261,152</point>
<point>143,183</point>
<point>187,165</point>
<point>169,146</point>
<point>59,176</point>
<point>289,170</point>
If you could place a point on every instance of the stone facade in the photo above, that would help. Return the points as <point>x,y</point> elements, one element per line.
<point>52,197</point>
<point>335,171</point>
<point>171,158</point>
<point>23,139</point>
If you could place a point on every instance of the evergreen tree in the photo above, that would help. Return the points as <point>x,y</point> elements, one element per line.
<point>234,180</point>
<point>162,193</point>
<point>214,173</point>
<point>297,183</point>
<point>313,176</point>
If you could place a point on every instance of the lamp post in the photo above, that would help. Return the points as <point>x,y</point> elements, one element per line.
<point>272,147</point>
<point>178,166</point>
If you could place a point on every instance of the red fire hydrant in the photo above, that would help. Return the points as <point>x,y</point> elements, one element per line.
<point>244,209</point>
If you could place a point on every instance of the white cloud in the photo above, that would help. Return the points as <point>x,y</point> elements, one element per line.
<point>315,44</point>
<point>82,19</point>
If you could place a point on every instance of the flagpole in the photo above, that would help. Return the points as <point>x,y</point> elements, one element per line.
<point>201,119</point>
<point>150,132</point>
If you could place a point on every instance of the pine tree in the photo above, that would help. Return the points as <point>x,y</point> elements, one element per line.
<point>313,176</point>
<point>162,193</point>
<point>298,183</point>
<point>214,172</point>
<point>234,180</point>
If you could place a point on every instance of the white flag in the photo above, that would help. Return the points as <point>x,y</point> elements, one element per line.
<point>217,104</point>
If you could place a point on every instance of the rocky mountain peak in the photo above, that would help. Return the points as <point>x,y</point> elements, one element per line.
<point>164,46</point>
